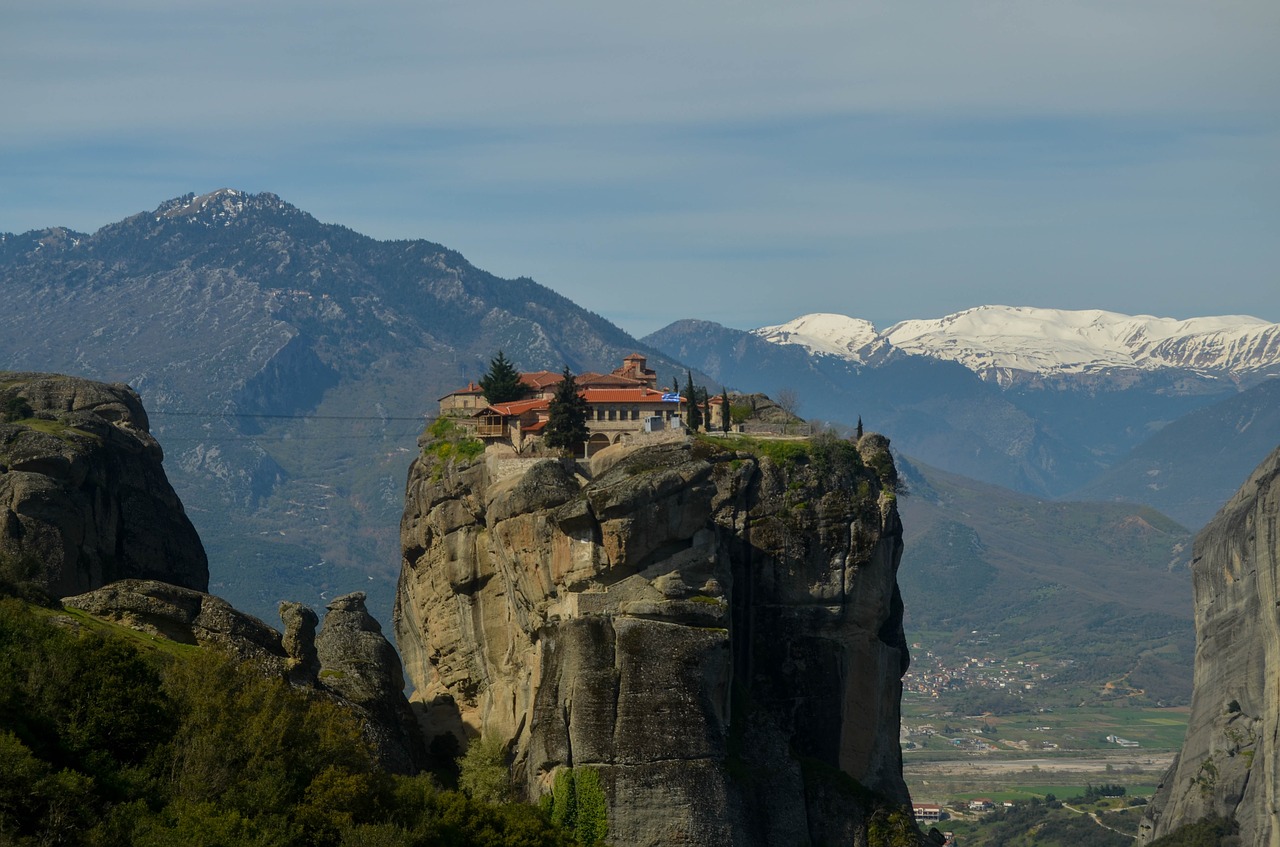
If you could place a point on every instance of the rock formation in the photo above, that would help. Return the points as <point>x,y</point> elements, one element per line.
<point>1230,761</point>
<point>349,660</point>
<point>85,501</point>
<point>185,616</point>
<point>717,635</point>
<point>82,490</point>
<point>358,664</point>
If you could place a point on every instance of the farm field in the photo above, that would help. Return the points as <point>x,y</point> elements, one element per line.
<point>947,758</point>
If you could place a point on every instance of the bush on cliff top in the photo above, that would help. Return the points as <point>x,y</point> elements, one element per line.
<point>450,442</point>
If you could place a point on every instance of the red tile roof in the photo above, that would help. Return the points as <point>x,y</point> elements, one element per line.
<point>541,379</point>
<point>517,407</point>
<point>595,380</point>
<point>622,395</point>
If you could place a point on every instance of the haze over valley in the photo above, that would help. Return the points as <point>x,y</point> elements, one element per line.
<point>715,423</point>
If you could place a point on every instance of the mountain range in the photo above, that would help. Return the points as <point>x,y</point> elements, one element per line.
<point>1013,345</point>
<point>288,366</point>
<point>1048,402</point>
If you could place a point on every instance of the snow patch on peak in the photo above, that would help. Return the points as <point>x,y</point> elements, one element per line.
<point>220,207</point>
<point>824,333</point>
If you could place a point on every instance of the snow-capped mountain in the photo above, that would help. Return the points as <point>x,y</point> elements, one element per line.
<point>1004,344</point>
<point>833,335</point>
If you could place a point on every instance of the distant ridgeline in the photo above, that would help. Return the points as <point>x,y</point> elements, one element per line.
<point>287,366</point>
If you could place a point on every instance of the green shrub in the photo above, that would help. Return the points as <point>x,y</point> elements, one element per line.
<point>577,804</point>
<point>483,771</point>
<point>449,443</point>
<point>104,746</point>
<point>1212,831</point>
<point>593,819</point>
<point>564,799</point>
<point>15,408</point>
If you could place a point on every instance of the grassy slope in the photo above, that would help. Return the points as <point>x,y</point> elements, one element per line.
<point>1104,584</point>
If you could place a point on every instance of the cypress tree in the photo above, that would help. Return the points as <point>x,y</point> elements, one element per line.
<point>501,383</point>
<point>691,395</point>
<point>724,410</point>
<point>567,416</point>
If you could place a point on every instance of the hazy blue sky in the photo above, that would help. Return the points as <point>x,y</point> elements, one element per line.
<point>737,161</point>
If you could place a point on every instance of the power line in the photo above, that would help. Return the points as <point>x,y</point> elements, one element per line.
<point>216,415</point>
<point>192,439</point>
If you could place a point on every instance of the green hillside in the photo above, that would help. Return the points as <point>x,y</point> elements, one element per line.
<point>113,739</point>
<point>1097,595</point>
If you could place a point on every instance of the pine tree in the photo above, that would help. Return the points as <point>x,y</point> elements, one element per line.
<point>501,383</point>
<point>724,410</point>
<point>567,416</point>
<point>691,396</point>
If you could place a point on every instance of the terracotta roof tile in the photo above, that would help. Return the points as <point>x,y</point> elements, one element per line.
<point>540,379</point>
<point>622,395</point>
<point>517,407</point>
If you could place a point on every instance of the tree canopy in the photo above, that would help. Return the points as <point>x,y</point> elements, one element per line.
<point>107,740</point>
<point>501,383</point>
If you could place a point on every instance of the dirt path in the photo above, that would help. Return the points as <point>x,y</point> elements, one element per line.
<point>1097,820</point>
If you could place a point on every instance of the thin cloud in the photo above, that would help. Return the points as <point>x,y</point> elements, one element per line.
<point>738,161</point>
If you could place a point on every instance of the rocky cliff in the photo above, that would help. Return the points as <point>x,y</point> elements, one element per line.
<point>82,489</point>
<point>1230,760</point>
<point>716,635</point>
<point>87,513</point>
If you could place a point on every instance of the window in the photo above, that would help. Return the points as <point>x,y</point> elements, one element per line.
<point>635,413</point>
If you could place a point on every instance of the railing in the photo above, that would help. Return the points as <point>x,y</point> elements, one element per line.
<point>491,431</point>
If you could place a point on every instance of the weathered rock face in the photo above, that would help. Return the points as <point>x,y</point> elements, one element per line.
<point>359,665</point>
<point>1230,761</point>
<point>717,635</point>
<point>82,490</point>
<point>349,660</point>
<point>185,616</point>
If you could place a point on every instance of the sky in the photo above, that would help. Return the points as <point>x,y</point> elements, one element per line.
<point>741,162</point>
